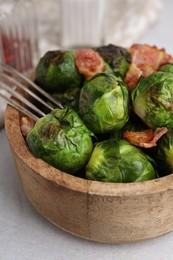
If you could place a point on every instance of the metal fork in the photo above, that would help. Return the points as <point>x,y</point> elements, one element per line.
<point>12,81</point>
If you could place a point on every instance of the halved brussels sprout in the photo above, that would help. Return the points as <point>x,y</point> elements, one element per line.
<point>152,99</point>
<point>119,161</point>
<point>104,103</point>
<point>62,140</point>
<point>56,71</point>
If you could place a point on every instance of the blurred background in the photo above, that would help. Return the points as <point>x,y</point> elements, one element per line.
<point>73,23</point>
<point>29,28</point>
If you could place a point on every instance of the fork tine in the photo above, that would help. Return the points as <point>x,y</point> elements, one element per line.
<point>7,68</point>
<point>22,99</point>
<point>10,78</point>
<point>16,83</point>
<point>16,105</point>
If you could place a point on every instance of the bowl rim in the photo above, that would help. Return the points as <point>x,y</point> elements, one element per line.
<point>20,148</point>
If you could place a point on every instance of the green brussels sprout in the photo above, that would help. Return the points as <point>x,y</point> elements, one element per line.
<point>56,71</point>
<point>164,153</point>
<point>62,140</point>
<point>117,57</point>
<point>166,68</point>
<point>119,161</point>
<point>104,103</point>
<point>152,99</point>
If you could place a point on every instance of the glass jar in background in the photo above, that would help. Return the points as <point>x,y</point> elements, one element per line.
<point>48,16</point>
<point>18,34</point>
<point>82,23</point>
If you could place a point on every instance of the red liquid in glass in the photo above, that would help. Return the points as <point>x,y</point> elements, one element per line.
<point>17,52</point>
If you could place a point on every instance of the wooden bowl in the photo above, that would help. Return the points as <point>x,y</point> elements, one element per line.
<point>104,212</point>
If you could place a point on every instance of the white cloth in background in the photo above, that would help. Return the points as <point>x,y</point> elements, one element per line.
<point>128,19</point>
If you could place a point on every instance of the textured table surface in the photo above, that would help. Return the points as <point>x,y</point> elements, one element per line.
<point>24,234</point>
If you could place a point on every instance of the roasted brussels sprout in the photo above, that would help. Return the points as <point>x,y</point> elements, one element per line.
<point>119,161</point>
<point>103,103</point>
<point>164,153</point>
<point>152,99</point>
<point>117,57</point>
<point>166,68</point>
<point>62,140</point>
<point>56,71</point>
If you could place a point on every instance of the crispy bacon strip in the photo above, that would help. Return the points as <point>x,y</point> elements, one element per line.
<point>145,59</point>
<point>146,138</point>
<point>89,62</point>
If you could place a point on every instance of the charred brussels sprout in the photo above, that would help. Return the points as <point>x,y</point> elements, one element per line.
<point>117,57</point>
<point>119,161</point>
<point>152,99</point>
<point>62,140</point>
<point>103,103</point>
<point>56,71</point>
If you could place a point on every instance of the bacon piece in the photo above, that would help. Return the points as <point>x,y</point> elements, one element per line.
<point>145,59</point>
<point>132,76</point>
<point>89,62</point>
<point>26,125</point>
<point>146,138</point>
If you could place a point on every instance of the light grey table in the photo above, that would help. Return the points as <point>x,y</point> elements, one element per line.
<point>25,234</point>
